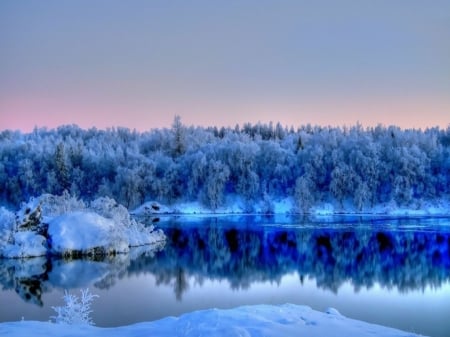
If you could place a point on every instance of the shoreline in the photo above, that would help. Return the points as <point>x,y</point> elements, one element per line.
<point>253,320</point>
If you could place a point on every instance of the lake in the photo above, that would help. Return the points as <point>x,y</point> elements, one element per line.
<point>389,271</point>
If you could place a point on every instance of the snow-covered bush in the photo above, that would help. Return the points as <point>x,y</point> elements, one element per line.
<point>136,233</point>
<point>110,209</point>
<point>24,244</point>
<point>54,205</point>
<point>77,310</point>
<point>6,226</point>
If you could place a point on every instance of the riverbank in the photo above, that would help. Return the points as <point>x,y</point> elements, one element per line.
<point>260,320</point>
<point>236,205</point>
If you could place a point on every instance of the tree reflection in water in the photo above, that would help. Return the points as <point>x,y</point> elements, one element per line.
<point>404,257</point>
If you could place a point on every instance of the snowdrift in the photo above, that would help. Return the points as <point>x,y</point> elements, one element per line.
<point>261,320</point>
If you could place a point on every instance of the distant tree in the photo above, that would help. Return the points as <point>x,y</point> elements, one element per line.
<point>342,182</point>
<point>178,130</point>
<point>361,195</point>
<point>304,193</point>
<point>216,179</point>
<point>61,169</point>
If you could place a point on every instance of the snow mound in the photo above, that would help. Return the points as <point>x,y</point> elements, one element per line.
<point>85,232</point>
<point>260,320</point>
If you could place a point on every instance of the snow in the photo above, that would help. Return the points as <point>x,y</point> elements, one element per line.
<point>6,222</point>
<point>259,320</point>
<point>26,244</point>
<point>326,209</point>
<point>236,205</point>
<point>233,205</point>
<point>67,226</point>
<point>84,231</point>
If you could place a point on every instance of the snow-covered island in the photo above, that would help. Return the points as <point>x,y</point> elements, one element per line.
<point>65,226</point>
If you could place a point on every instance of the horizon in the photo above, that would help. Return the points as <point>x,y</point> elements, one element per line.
<point>109,64</point>
<point>230,127</point>
<point>188,124</point>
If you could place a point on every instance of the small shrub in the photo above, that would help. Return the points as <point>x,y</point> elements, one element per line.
<point>77,309</point>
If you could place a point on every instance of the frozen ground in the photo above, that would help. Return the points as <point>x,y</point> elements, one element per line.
<point>261,320</point>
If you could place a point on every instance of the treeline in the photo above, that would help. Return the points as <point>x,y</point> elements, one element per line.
<point>258,162</point>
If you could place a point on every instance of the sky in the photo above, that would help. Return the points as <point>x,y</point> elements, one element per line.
<point>137,64</point>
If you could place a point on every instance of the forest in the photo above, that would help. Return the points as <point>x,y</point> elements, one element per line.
<point>260,162</point>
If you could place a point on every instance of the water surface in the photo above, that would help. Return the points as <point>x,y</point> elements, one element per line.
<point>394,272</point>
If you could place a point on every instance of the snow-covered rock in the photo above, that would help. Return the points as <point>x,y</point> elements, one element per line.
<point>29,217</point>
<point>259,320</point>
<point>152,208</point>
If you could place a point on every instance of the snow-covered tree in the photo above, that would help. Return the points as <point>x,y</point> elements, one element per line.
<point>217,177</point>
<point>304,193</point>
<point>61,169</point>
<point>77,310</point>
<point>369,166</point>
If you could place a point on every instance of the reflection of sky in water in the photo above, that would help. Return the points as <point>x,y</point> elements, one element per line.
<point>209,266</point>
<point>410,311</point>
<point>138,298</point>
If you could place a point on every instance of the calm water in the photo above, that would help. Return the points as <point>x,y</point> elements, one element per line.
<point>394,272</point>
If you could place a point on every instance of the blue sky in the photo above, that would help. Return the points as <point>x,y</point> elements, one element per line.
<point>139,63</point>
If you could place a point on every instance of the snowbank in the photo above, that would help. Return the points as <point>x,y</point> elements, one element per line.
<point>261,320</point>
<point>236,205</point>
<point>65,226</point>
<point>233,205</point>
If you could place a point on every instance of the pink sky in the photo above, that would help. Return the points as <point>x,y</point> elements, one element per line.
<point>25,114</point>
<point>138,65</point>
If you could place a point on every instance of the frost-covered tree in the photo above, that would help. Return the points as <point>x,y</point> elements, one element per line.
<point>364,166</point>
<point>178,130</point>
<point>343,182</point>
<point>77,310</point>
<point>61,169</point>
<point>304,193</point>
<point>217,177</point>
